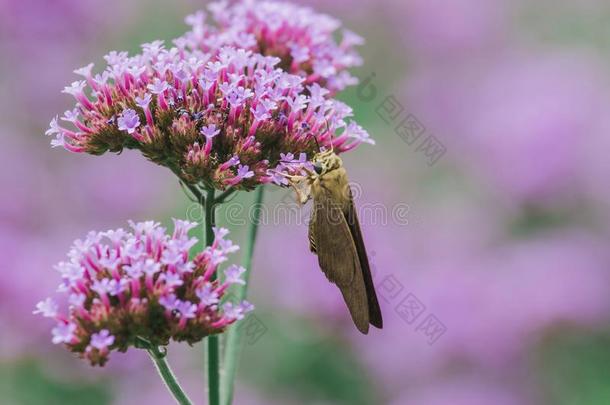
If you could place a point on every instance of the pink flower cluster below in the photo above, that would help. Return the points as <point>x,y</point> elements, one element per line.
<point>125,287</point>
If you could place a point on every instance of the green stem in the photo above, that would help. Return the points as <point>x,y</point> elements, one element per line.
<point>210,219</point>
<point>168,376</point>
<point>224,195</point>
<point>192,188</point>
<point>197,194</point>
<point>213,344</point>
<point>234,336</point>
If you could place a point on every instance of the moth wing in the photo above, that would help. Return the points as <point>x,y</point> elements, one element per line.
<point>338,256</point>
<point>354,226</point>
<point>311,231</point>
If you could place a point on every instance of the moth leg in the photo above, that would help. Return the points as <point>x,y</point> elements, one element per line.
<point>310,173</point>
<point>303,195</point>
<point>295,182</point>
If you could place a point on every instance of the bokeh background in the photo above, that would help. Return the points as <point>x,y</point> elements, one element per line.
<point>491,260</point>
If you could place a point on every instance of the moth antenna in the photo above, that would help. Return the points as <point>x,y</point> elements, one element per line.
<point>330,138</point>
<point>315,138</point>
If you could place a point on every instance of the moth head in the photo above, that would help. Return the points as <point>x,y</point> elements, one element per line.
<point>325,162</point>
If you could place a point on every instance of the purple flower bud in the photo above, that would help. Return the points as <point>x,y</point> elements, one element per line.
<point>157,86</point>
<point>233,275</point>
<point>244,172</point>
<point>135,270</point>
<point>115,58</point>
<point>220,233</point>
<point>169,302</point>
<point>150,267</point>
<point>171,257</point>
<point>358,133</point>
<point>47,308</point>
<point>299,53</point>
<point>207,295</point>
<point>102,78</point>
<point>196,19</point>
<point>75,88</point>
<point>71,115</point>
<point>210,131</point>
<point>116,287</point>
<point>217,257</point>
<point>153,48</point>
<point>233,312</point>
<point>77,300</point>
<point>351,39</point>
<point>324,68</point>
<point>128,121</point>
<point>182,227</point>
<point>53,127</point>
<point>111,260</point>
<point>101,340</point>
<point>261,112</point>
<point>171,280</point>
<point>286,157</point>
<point>318,94</point>
<point>237,96</point>
<point>229,163</point>
<point>103,286</point>
<point>246,307</point>
<point>297,103</point>
<point>85,71</point>
<point>186,309</point>
<point>63,333</point>
<point>180,75</point>
<point>227,246</point>
<point>146,227</point>
<point>143,101</point>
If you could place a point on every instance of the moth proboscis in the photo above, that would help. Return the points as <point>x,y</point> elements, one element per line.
<point>336,238</point>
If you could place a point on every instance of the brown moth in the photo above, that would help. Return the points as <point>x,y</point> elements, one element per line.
<point>335,236</point>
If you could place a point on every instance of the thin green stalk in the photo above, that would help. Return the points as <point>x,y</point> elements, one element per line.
<point>234,336</point>
<point>213,358</point>
<point>210,218</point>
<point>168,376</point>
<point>224,195</point>
<point>197,195</point>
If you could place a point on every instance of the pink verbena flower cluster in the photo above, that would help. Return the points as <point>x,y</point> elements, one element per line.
<point>125,287</point>
<point>222,119</point>
<point>303,39</point>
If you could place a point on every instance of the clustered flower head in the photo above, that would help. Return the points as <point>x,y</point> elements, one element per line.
<point>303,39</point>
<point>223,118</point>
<point>125,287</point>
